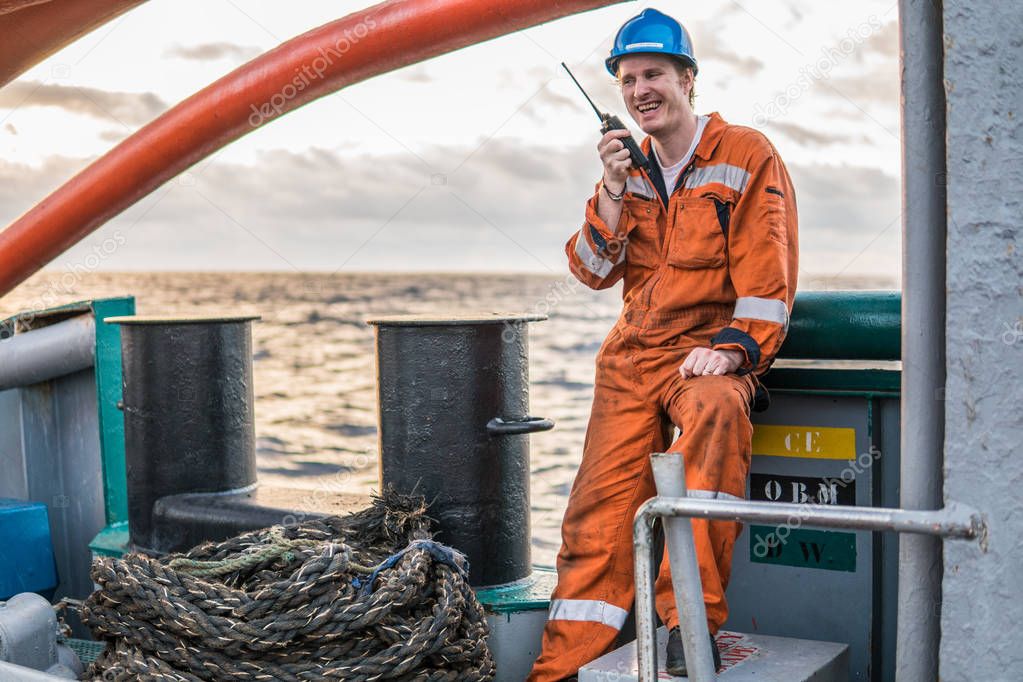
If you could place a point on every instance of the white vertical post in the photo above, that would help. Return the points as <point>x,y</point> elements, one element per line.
<point>923,325</point>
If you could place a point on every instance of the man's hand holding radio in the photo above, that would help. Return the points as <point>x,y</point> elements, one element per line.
<point>616,160</point>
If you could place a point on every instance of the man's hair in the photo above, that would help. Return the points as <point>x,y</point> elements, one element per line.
<point>681,66</point>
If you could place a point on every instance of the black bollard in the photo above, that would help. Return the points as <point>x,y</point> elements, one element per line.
<point>454,425</point>
<point>188,413</point>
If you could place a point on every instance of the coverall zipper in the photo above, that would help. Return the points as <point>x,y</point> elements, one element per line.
<point>665,240</point>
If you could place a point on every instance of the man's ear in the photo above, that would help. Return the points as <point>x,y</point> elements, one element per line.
<point>688,80</point>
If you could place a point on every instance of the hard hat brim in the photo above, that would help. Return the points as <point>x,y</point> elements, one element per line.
<point>612,62</point>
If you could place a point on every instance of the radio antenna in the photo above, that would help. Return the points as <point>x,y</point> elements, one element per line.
<point>570,75</point>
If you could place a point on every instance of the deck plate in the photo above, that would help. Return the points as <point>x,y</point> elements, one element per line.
<point>743,657</point>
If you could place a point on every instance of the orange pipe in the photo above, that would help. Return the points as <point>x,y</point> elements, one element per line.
<point>32,30</point>
<point>365,44</point>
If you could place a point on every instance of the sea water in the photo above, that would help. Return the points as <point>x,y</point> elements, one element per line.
<point>314,369</point>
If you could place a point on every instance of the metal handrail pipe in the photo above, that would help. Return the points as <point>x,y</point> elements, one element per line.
<point>48,352</point>
<point>954,521</point>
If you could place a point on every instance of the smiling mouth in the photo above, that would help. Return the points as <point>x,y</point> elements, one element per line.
<point>647,107</point>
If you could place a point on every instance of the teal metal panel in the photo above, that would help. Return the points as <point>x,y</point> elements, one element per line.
<point>528,594</point>
<point>108,394</point>
<point>803,548</point>
<point>111,541</point>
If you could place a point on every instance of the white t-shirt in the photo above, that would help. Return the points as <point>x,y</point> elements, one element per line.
<point>670,173</point>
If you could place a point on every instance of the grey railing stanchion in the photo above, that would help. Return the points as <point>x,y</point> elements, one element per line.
<point>670,480</point>
<point>646,575</point>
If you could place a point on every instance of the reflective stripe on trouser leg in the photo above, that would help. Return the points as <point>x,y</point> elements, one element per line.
<point>588,610</point>
<point>712,413</point>
<point>595,561</point>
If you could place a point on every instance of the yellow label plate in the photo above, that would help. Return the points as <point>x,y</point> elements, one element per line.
<point>814,442</point>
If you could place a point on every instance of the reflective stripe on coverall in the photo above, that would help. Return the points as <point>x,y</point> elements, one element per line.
<point>715,268</point>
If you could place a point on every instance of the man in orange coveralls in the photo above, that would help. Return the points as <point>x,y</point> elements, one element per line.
<point>706,244</point>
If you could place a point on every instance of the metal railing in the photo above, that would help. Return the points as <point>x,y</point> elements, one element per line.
<point>48,352</point>
<point>671,504</point>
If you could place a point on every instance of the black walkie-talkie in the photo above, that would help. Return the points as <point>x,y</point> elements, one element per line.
<point>612,122</point>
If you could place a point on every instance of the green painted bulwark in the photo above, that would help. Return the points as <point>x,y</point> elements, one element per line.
<point>108,396</point>
<point>847,325</point>
<point>881,380</point>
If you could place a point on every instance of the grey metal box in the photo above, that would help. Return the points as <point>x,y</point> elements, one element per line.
<point>829,439</point>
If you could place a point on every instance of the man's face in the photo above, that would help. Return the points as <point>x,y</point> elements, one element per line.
<point>654,91</point>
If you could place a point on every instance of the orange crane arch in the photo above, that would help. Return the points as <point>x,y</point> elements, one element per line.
<point>361,45</point>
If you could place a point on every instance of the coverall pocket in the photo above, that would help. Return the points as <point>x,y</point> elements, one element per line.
<point>643,247</point>
<point>697,241</point>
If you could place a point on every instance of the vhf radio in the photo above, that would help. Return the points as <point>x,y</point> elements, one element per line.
<point>612,122</point>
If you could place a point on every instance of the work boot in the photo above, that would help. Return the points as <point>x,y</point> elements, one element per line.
<point>675,660</point>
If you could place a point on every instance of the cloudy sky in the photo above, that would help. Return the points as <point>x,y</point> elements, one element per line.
<point>474,161</point>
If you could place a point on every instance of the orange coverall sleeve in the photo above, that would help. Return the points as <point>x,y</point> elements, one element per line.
<point>763,265</point>
<point>595,255</point>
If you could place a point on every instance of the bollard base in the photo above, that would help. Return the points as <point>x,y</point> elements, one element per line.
<point>516,614</point>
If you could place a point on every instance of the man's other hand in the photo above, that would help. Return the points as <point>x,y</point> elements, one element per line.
<point>703,361</point>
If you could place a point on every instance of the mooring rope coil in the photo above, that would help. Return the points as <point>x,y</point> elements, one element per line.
<point>276,547</point>
<point>293,603</point>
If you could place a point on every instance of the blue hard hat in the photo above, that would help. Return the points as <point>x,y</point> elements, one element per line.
<point>654,32</point>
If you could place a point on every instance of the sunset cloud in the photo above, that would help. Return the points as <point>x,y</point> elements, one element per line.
<point>127,108</point>
<point>212,51</point>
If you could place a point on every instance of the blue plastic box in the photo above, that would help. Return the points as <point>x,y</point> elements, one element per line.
<point>26,550</point>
